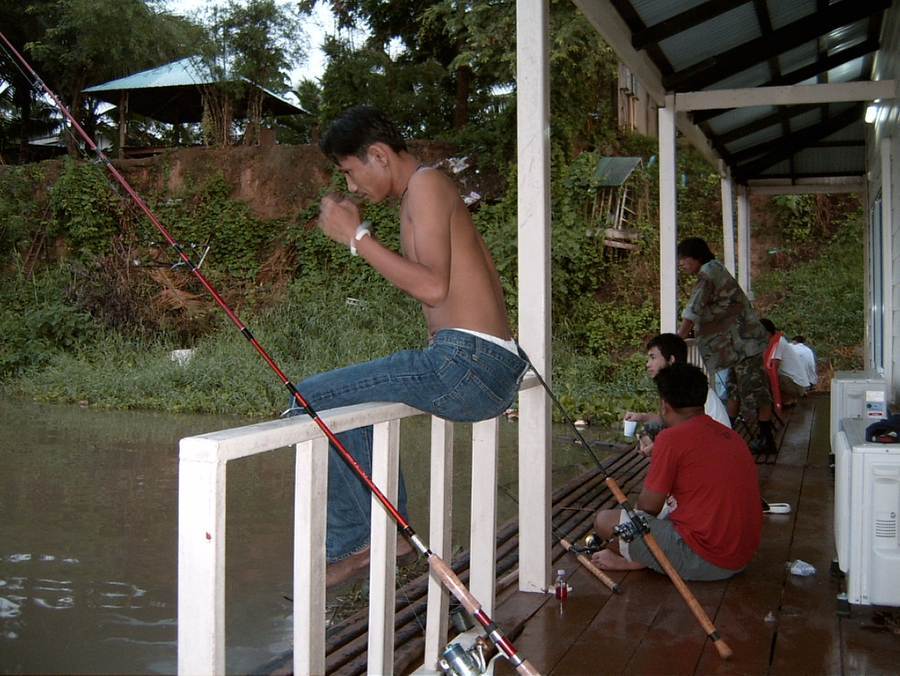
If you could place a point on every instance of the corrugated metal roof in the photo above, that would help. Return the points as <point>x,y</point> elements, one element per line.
<point>614,171</point>
<point>705,45</point>
<point>169,92</point>
<point>190,71</point>
<point>730,29</point>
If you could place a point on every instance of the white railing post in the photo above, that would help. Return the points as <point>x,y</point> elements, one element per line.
<point>383,548</point>
<point>668,226</point>
<point>483,533</point>
<point>201,558</point>
<point>310,496</point>
<point>439,537</point>
<point>533,141</point>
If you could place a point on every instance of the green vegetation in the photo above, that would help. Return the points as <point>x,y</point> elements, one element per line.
<point>98,324</point>
<point>91,303</point>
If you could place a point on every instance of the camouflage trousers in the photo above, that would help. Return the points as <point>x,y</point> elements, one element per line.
<point>748,384</point>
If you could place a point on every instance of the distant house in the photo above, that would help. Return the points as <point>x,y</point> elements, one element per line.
<point>616,208</point>
<point>185,91</point>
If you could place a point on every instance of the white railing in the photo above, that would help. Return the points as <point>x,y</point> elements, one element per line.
<point>201,532</point>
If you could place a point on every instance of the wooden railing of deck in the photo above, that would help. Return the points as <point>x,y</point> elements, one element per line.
<point>201,531</point>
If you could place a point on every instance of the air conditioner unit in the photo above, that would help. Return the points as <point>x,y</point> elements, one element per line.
<point>872,537</point>
<point>841,448</point>
<point>857,394</point>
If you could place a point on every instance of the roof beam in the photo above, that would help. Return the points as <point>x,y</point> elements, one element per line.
<point>810,185</point>
<point>838,58</point>
<point>781,149</point>
<point>717,99</point>
<point>759,124</point>
<point>716,68</point>
<point>681,22</point>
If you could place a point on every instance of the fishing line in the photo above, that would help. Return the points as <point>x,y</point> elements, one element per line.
<point>440,568</point>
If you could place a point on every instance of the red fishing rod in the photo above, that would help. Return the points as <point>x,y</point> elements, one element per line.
<point>443,571</point>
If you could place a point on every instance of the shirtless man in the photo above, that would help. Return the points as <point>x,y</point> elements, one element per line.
<point>470,370</point>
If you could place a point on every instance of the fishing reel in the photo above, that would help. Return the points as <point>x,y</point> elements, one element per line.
<point>629,530</point>
<point>592,544</point>
<point>457,660</point>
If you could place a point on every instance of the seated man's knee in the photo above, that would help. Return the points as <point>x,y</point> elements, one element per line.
<point>605,521</point>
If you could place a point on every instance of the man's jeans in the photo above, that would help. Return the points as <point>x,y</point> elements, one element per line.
<point>459,377</point>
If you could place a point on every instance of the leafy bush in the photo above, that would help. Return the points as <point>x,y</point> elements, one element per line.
<point>37,323</point>
<point>86,211</point>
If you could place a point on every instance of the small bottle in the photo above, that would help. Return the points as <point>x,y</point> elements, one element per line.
<point>562,587</point>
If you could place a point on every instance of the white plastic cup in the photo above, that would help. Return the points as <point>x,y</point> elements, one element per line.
<point>629,427</point>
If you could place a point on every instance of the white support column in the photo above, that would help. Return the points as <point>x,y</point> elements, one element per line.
<point>890,203</point>
<point>743,239</point>
<point>310,497</point>
<point>439,538</point>
<point>383,551</point>
<point>483,522</point>
<point>727,219</point>
<point>533,139</point>
<point>201,560</point>
<point>668,227</point>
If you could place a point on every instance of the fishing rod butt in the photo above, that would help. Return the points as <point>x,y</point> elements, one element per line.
<point>525,668</point>
<point>725,652</point>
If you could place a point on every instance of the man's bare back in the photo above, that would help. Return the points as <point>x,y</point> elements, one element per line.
<point>444,264</point>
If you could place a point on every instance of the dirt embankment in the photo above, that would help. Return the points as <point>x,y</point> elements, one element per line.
<point>275,181</point>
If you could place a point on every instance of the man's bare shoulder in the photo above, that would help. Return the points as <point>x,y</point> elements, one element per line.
<point>431,180</point>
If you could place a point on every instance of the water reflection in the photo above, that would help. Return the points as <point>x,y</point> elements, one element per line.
<point>88,536</point>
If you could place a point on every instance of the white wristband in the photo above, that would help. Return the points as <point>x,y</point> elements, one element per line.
<point>362,230</point>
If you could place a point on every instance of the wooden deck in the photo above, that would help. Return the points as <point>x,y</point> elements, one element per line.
<point>774,622</point>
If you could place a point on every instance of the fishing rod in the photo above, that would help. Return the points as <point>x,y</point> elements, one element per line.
<point>438,567</point>
<point>637,527</point>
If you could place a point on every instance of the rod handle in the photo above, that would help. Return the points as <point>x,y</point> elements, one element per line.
<point>724,651</point>
<point>596,572</point>
<point>450,580</point>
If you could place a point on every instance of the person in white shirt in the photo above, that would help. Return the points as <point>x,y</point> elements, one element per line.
<point>792,373</point>
<point>808,357</point>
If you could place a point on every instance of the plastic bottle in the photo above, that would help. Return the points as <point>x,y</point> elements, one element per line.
<point>801,568</point>
<point>562,587</point>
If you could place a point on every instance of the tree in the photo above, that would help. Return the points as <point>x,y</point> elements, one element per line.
<point>467,51</point>
<point>75,43</point>
<point>258,41</point>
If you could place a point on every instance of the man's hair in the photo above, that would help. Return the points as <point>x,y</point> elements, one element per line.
<point>696,248</point>
<point>770,326</point>
<point>798,339</point>
<point>682,386</point>
<point>670,345</point>
<point>357,128</point>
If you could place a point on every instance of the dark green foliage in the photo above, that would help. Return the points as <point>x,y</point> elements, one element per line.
<point>37,322</point>
<point>20,213</point>
<point>823,298</point>
<point>85,209</point>
<point>206,215</point>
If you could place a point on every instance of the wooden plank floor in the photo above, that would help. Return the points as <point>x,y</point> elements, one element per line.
<point>775,623</point>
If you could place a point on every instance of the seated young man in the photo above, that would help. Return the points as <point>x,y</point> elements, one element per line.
<point>662,351</point>
<point>708,469</point>
<point>471,368</point>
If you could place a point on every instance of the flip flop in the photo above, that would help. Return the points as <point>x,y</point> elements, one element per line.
<point>777,508</point>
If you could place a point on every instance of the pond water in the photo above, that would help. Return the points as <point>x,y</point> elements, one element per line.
<point>88,535</point>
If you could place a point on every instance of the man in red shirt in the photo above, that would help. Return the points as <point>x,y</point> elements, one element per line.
<point>714,530</point>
